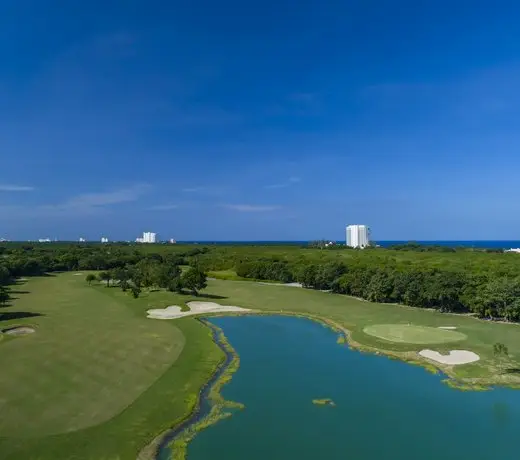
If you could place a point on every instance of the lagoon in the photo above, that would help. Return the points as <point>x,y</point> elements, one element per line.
<point>384,409</point>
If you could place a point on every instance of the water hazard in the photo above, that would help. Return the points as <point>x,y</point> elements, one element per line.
<point>384,409</point>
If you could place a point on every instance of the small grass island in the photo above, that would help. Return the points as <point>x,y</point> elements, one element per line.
<point>324,402</point>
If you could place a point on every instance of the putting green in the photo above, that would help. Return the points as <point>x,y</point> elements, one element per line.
<point>407,333</point>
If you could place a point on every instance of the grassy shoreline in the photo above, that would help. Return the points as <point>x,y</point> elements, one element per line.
<point>178,437</point>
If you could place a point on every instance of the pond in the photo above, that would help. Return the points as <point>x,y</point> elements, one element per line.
<point>383,409</point>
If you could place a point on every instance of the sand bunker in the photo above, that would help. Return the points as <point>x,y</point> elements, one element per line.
<point>450,328</point>
<point>78,274</point>
<point>298,285</point>
<point>453,358</point>
<point>20,330</point>
<point>196,308</point>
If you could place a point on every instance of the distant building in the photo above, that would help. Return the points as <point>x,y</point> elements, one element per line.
<point>82,240</point>
<point>148,237</point>
<point>358,236</point>
<point>517,250</point>
<point>44,240</point>
<point>172,241</point>
<point>104,239</point>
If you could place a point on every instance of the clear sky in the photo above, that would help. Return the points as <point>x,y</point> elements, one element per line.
<point>259,120</point>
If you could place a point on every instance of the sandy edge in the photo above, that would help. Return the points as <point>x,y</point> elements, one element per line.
<point>19,330</point>
<point>196,308</point>
<point>453,358</point>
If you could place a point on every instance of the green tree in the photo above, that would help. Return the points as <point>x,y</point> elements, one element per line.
<point>307,275</point>
<point>380,287</point>
<point>499,349</point>
<point>498,298</point>
<point>90,278</point>
<point>122,275</point>
<point>501,353</point>
<point>105,276</point>
<point>136,291</point>
<point>4,295</point>
<point>194,279</point>
<point>175,285</point>
<point>5,275</point>
<point>166,274</point>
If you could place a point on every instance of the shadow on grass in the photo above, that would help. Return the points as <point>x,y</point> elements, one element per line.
<point>512,370</point>
<point>17,315</point>
<point>16,291</point>
<point>202,295</point>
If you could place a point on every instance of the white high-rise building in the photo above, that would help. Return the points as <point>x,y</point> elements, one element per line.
<point>358,236</point>
<point>104,239</point>
<point>148,237</point>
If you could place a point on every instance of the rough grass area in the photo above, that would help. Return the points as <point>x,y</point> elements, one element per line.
<point>408,333</point>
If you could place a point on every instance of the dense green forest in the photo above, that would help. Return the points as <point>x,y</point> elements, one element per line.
<point>450,280</point>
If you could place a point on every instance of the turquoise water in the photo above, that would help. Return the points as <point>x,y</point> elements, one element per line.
<point>384,409</point>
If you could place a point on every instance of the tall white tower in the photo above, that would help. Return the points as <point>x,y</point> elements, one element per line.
<point>149,237</point>
<point>358,236</point>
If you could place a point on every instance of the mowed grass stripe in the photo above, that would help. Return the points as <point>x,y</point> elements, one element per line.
<point>407,333</point>
<point>89,359</point>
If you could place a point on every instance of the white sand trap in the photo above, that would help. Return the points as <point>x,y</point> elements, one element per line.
<point>298,285</point>
<point>453,358</point>
<point>451,328</point>
<point>20,330</point>
<point>78,274</point>
<point>196,308</point>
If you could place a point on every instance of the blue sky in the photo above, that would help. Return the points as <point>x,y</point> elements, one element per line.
<point>207,120</point>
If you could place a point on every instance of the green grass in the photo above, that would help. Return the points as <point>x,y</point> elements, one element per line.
<point>323,402</point>
<point>105,381</point>
<point>408,333</point>
<point>97,375</point>
<point>225,275</point>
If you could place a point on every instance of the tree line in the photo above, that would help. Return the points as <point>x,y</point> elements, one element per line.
<point>487,285</point>
<point>152,274</point>
<point>487,296</point>
<point>131,268</point>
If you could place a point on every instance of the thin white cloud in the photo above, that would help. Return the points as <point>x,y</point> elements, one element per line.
<point>164,207</point>
<point>123,195</point>
<point>85,204</point>
<point>207,190</point>
<point>274,186</point>
<point>291,181</point>
<point>15,188</point>
<point>251,207</point>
